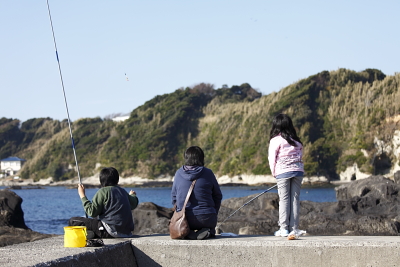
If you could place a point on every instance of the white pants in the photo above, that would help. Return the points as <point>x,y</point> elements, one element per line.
<point>289,202</point>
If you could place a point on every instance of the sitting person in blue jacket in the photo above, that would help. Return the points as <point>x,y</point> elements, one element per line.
<point>205,200</point>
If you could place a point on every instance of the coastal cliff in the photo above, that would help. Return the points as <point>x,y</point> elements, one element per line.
<point>347,120</point>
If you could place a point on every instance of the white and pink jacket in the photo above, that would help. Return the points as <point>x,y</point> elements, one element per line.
<point>283,157</point>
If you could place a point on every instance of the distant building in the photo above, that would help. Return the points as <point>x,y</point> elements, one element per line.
<point>121,118</point>
<point>11,165</point>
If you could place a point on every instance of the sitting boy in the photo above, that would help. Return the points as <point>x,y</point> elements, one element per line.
<point>111,205</point>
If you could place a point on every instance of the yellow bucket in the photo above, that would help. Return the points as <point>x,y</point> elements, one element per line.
<point>74,236</point>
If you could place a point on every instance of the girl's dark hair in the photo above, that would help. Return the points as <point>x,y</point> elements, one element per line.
<point>283,125</point>
<point>109,177</point>
<point>194,156</point>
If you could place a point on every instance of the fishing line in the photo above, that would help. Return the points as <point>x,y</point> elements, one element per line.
<point>217,227</point>
<point>65,98</point>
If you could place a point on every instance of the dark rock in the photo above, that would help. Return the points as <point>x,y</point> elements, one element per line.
<point>259,217</point>
<point>150,218</point>
<point>13,235</point>
<point>375,187</point>
<point>12,224</point>
<point>11,211</point>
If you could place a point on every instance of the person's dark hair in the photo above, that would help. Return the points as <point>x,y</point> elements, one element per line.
<point>194,156</point>
<point>109,177</point>
<point>283,125</point>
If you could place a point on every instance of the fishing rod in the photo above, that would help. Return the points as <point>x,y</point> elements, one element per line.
<point>245,204</point>
<point>65,98</point>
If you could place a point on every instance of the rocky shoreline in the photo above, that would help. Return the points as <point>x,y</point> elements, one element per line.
<point>365,207</point>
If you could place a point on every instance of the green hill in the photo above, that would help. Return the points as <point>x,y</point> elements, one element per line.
<point>338,116</point>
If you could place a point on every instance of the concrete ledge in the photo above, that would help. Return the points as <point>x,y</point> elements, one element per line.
<point>269,251</point>
<point>51,252</point>
<point>160,250</point>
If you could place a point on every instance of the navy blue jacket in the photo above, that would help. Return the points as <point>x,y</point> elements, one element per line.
<point>206,196</point>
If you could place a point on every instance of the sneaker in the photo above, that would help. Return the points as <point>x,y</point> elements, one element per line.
<point>203,233</point>
<point>281,232</point>
<point>95,243</point>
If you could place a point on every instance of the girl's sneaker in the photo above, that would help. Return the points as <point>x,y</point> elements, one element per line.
<point>281,232</point>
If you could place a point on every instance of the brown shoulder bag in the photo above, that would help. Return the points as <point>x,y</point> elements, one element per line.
<point>178,225</point>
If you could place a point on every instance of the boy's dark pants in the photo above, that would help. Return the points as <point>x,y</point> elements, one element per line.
<point>91,225</point>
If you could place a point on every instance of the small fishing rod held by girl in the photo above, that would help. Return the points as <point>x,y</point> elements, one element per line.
<point>65,98</point>
<point>245,204</point>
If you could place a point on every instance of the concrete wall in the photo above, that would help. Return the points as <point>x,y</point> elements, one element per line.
<point>160,250</point>
<point>269,251</point>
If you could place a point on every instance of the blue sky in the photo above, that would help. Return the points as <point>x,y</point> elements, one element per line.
<point>165,45</point>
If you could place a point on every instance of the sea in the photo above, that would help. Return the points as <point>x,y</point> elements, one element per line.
<point>47,210</point>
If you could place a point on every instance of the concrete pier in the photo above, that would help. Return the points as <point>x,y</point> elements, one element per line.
<point>160,250</point>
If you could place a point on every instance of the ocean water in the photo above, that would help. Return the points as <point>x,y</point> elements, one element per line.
<point>48,210</point>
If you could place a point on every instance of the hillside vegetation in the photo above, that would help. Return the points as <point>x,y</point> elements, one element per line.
<point>338,115</point>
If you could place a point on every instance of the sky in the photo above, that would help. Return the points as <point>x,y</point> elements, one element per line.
<point>161,46</point>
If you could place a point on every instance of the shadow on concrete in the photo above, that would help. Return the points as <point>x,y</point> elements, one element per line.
<point>142,259</point>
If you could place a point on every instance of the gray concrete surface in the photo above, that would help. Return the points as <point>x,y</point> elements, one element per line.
<point>269,251</point>
<point>51,252</point>
<point>160,250</point>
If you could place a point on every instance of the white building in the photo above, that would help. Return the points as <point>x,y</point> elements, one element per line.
<point>11,165</point>
<point>121,118</point>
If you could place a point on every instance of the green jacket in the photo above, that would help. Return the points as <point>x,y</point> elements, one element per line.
<point>112,205</point>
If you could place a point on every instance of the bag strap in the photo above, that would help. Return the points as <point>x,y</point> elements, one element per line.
<point>188,195</point>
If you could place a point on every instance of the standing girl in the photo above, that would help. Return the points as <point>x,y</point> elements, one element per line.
<point>285,160</point>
